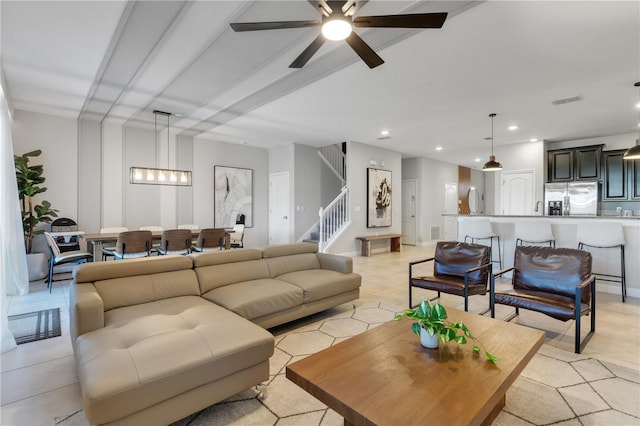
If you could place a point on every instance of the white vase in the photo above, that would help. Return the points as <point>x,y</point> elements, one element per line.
<point>37,266</point>
<point>427,340</point>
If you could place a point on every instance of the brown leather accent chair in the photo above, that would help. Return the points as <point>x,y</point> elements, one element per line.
<point>459,268</point>
<point>554,281</point>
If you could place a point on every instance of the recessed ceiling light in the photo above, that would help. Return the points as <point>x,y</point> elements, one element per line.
<point>477,160</point>
<point>513,127</point>
<point>533,140</point>
<point>638,105</point>
<point>384,132</point>
<point>438,148</point>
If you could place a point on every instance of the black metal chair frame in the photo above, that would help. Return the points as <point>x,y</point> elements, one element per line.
<point>621,279</point>
<point>591,282</point>
<point>520,241</point>
<point>466,283</point>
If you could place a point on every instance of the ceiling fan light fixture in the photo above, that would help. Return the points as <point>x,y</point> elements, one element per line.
<point>336,28</point>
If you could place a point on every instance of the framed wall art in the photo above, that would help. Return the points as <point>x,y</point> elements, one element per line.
<point>233,196</point>
<point>378,198</point>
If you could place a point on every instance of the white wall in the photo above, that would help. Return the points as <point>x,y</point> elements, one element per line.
<point>359,159</point>
<point>281,160</point>
<point>625,141</point>
<point>57,137</point>
<point>206,154</point>
<point>520,157</point>
<point>308,188</point>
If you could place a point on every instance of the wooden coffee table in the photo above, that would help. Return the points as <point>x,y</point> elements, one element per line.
<point>385,377</point>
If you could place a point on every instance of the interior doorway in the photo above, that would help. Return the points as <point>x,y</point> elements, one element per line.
<point>409,203</point>
<point>279,208</point>
<point>518,193</point>
<point>450,207</point>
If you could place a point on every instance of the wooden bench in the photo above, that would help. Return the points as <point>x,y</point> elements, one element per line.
<point>365,248</point>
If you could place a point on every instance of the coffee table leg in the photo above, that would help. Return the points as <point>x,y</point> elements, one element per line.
<point>494,413</point>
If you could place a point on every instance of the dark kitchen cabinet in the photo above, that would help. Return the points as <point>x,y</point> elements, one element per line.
<point>634,179</point>
<point>587,162</point>
<point>571,164</point>
<point>614,172</point>
<point>560,165</point>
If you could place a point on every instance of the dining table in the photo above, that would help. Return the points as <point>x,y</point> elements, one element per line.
<point>97,240</point>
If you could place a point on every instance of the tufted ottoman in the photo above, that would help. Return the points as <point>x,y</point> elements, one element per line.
<point>167,350</point>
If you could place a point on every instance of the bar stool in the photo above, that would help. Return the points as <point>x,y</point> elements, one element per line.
<point>605,235</point>
<point>480,229</point>
<point>535,232</point>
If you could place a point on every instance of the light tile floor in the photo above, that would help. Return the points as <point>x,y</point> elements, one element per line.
<point>39,383</point>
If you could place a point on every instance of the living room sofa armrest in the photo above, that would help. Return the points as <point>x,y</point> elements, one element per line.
<point>86,310</point>
<point>336,262</point>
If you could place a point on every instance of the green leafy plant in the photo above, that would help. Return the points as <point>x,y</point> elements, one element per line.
<point>29,179</point>
<point>433,318</point>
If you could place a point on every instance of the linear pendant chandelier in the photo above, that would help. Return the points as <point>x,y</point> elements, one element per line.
<point>633,153</point>
<point>156,176</point>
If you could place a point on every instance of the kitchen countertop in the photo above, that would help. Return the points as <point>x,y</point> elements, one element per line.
<point>546,217</point>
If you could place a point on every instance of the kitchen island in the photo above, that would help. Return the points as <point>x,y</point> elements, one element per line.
<point>565,229</point>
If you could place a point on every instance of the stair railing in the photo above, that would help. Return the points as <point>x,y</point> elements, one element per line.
<point>333,218</point>
<point>335,159</point>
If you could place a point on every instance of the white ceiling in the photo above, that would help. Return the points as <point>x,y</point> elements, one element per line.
<point>124,59</point>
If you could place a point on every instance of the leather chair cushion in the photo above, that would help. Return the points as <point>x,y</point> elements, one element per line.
<point>318,284</point>
<point>448,284</point>
<point>554,305</point>
<point>453,259</point>
<point>150,353</point>
<point>552,270</point>
<point>256,298</point>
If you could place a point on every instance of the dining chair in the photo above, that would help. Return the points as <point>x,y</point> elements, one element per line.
<point>210,239</point>
<point>133,244</point>
<point>109,250</point>
<point>175,241</point>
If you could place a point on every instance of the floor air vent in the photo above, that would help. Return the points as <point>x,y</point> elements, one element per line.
<point>435,232</point>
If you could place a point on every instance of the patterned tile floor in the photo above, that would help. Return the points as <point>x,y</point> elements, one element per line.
<point>39,382</point>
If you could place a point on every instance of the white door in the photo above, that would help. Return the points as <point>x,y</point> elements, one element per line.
<point>517,193</point>
<point>409,212</point>
<point>279,208</point>
<point>450,207</point>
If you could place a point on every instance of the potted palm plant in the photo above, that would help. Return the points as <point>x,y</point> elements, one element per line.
<point>431,325</point>
<point>30,178</point>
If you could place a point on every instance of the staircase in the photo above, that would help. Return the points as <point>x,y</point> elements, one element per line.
<point>335,217</point>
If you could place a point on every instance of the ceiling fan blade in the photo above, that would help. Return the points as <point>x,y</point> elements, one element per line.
<point>417,20</point>
<point>278,25</point>
<point>363,50</point>
<point>351,7</point>
<point>304,57</point>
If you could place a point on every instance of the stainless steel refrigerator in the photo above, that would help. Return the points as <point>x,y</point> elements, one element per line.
<point>571,199</point>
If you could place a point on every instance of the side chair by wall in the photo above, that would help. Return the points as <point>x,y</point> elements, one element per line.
<point>58,257</point>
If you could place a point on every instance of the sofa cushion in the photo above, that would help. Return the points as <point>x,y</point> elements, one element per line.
<point>214,276</point>
<point>297,262</point>
<point>138,289</point>
<point>150,353</point>
<point>253,299</point>
<point>97,271</point>
<point>319,284</point>
<point>289,249</point>
<point>224,256</point>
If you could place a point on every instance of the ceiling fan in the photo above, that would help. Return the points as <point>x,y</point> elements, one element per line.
<point>337,24</point>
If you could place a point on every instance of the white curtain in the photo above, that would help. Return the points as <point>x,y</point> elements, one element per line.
<point>13,258</point>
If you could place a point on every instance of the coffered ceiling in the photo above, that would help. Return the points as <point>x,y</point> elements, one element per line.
<point>122,60</point>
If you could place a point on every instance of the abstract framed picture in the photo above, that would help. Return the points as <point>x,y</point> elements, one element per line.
<point>378,198</point>
<point>233,196</point>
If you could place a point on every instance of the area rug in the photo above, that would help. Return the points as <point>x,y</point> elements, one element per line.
<point>557,387</point>
<point>34,326</point>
